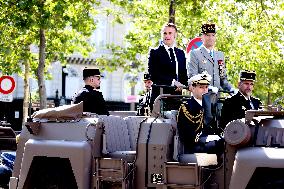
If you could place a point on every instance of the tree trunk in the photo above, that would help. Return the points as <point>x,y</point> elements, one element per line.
<point>269,98</point>
<point>40,70</point>
<point>269,94</point>
<point>172,12</point>
<point>26,92</point>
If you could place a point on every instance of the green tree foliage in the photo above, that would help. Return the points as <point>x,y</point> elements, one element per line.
<point>250,33</point>
<point>57,28</point>
<point>252,39</point>
<point>147,18</point>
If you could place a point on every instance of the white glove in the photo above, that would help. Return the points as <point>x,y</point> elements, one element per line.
<point>213,89</point>
<point>177,84</point>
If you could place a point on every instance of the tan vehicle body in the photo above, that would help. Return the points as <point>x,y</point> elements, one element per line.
<point>142,152</point>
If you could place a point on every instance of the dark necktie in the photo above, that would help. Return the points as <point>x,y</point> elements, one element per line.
<point>173,60</point>
<point>172,56</point>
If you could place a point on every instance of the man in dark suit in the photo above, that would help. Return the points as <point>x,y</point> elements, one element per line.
<point>167,63</point>
<point>235,106</point>
<point>144,105</point>
<point>206,58</point>
<point>190,120</point>
<point>93,100</point>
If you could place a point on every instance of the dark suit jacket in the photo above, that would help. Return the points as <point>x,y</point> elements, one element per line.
<point>161,69</point>
<point>93,100</point>
<point>189,127</point>
<point>235,107</point>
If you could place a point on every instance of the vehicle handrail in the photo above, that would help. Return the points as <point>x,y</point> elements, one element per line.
<point>157,103</point>
<point>168,86</point>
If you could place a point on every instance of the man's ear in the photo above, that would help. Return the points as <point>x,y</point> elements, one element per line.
<point>202,37</point>
<point>190,87</point>
<point>239,84</point>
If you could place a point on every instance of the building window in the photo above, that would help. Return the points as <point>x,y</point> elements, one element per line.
<point>99,36</point>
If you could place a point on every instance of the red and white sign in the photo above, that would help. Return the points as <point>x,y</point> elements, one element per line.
<point>194,44</point>
<point>7,86</point>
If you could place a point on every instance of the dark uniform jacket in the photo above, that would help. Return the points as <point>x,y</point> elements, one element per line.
<point>193,132</point>
<point>189,122</point>
<point>93,100</point>
<point>162,70</point>
<point>235,107</point>
<point>143,108</point>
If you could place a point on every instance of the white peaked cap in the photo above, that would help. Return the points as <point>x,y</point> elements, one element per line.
<point>204,78</point>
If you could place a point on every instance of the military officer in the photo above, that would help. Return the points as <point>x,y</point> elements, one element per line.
<point>190,122</point>
<point>234,107</point>
<point>205,58</point>
<point>93,100</point>
<point>144,105</point>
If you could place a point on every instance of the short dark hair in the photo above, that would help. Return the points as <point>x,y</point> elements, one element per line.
<point>172,25</point>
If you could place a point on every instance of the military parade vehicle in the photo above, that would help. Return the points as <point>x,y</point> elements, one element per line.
<point>66,148</point>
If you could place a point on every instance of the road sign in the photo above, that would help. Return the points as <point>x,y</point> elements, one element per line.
<point>194,44</point>
<point>7,84</point>
<point>6,97</point>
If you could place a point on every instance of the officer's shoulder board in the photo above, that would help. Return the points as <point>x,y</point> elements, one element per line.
<point>255,98</point>
<point>83,90</point>
<point>229,98</point>
<point>184,103</point>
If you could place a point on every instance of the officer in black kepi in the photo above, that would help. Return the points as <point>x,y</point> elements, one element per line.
<point>144,106</point>
<point>235,106</point>
<point>93,100</point>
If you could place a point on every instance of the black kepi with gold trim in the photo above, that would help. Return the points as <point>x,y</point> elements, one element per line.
<point>247,75</point>
<point>88,72</point>
<point>208,28</point>
<point>147,76</point>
